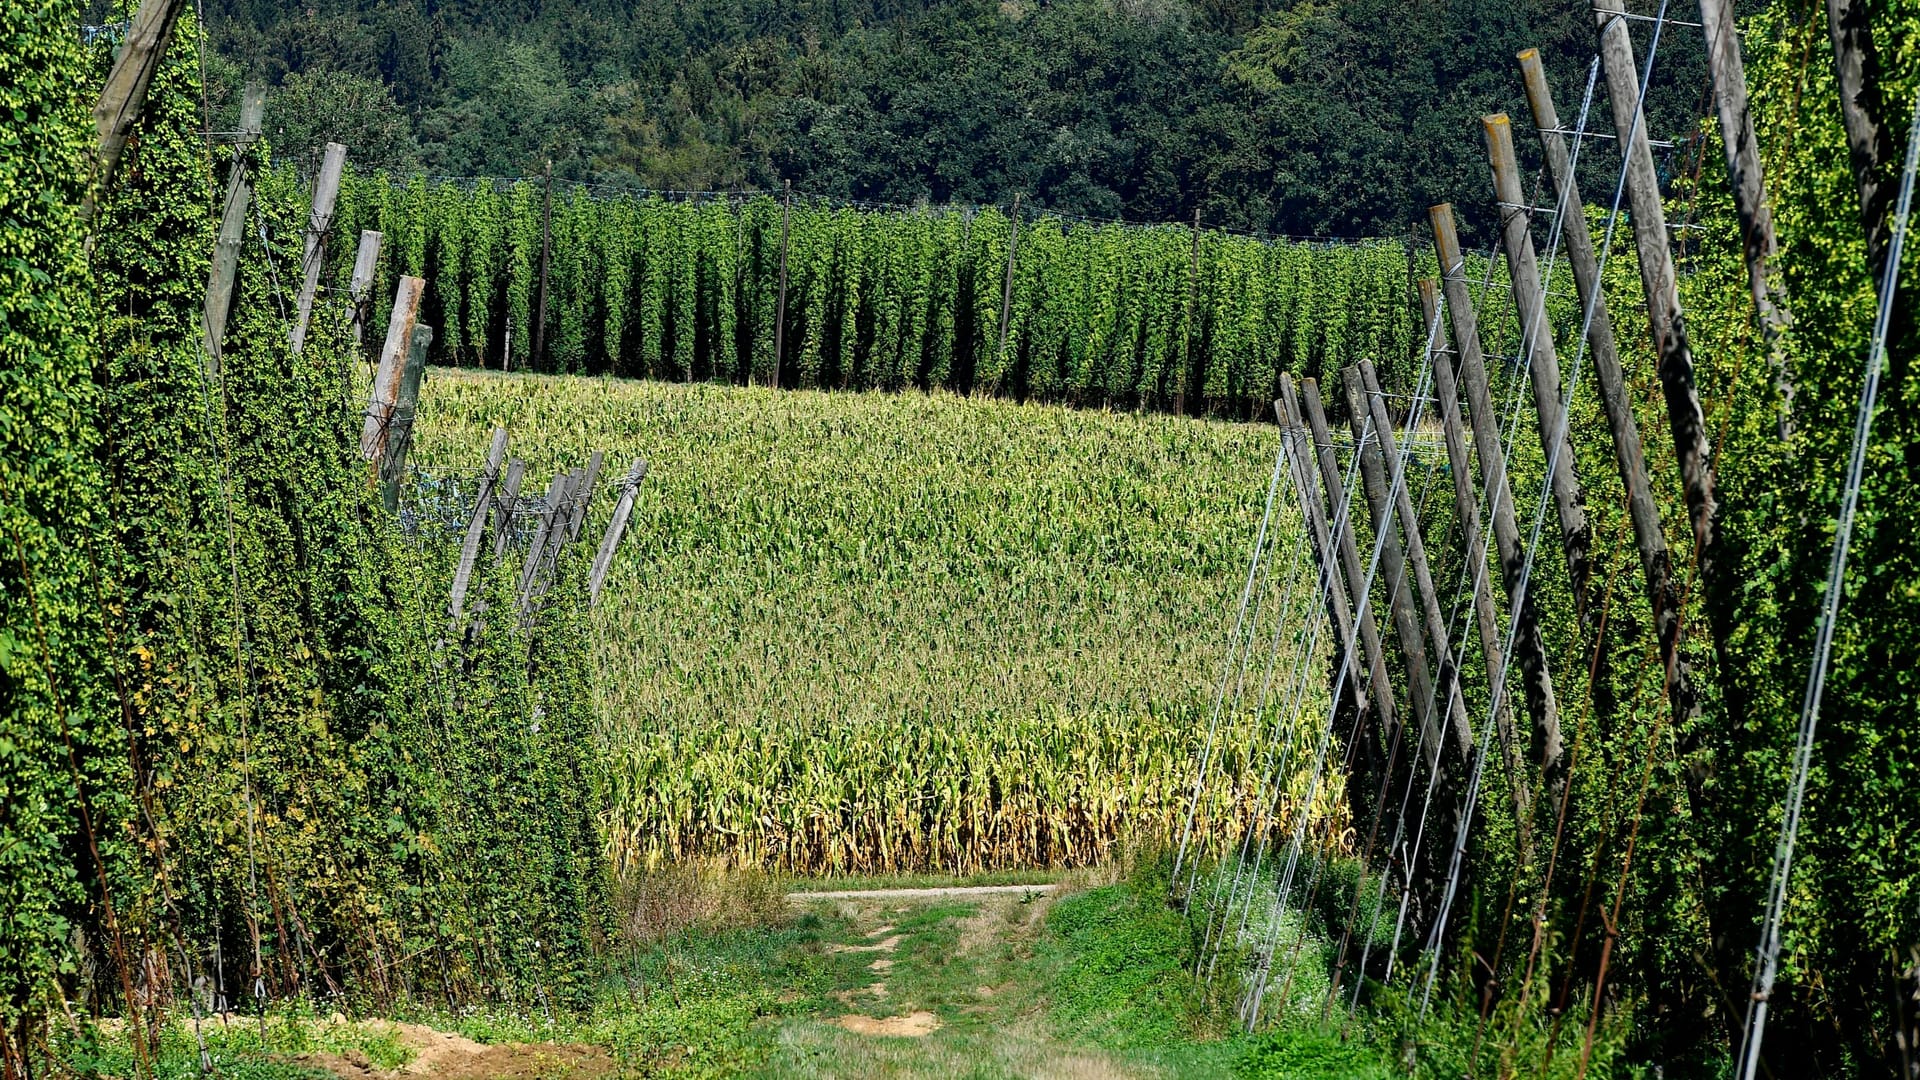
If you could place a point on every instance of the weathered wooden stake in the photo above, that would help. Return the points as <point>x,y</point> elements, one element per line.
<point>393,455</point>
<point>1466,507</point>
<point>393,366</point>
<point>1301,457</point>
<point>326,188</point>
<point>124,97</point>
<point>1649,538</point>
<point>1006,295</point>
<point>1436,621</point>
<point>233,232</point>
<point>360,286</point>
<point>546,256</point>
<point>1657,281</point>
<point>556,494</point>
<point>1543,361</point>
<point>1728,71</point>
<point>585,496</point>
<point>477,524</point>
<point>1374,480</point>
<point>1380,685</point>
<point>616,528</point>
<point>1529,650</point>
<point>780,308</point>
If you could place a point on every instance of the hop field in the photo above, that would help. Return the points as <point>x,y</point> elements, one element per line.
<point>877,632</point>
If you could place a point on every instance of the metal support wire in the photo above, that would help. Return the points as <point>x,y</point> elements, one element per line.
<point>1767,960</point>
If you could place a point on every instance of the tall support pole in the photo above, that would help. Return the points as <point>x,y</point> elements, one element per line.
<point>1186,339</point>
<point>1381,684</point>
<point>1871,148</point>
<point>1529,648</point>
<point>504,507</point>
<point>1728,72</point>
<point>476,525</point>
<point>1543,361</point>
<point>1300,456</point>
<point>387,378</point>
<point>124,97</point>
<point>780,307</point>
<point>360,285</point>
<point>546,257</point>
<point>1445,670</point>
<point>326,189</point>
<point>1006,294</point>
<point>1657,281</point>
<point>1376,478</point>
<point>393,453</point>
<point>1649,538</point>
<point>616,528</point>
<point>1466,507</point>
<point>233,232</point>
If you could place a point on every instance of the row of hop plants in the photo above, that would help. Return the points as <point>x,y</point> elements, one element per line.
<point>242,763</point>
<point>689,288</point>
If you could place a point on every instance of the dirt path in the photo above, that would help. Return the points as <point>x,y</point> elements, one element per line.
<point>953,892</point>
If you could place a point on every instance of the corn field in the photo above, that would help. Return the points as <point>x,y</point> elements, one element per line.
<point>1096,313</point>
<point>879,632</point>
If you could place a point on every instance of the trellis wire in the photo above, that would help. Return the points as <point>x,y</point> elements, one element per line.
<point>1768,954</point>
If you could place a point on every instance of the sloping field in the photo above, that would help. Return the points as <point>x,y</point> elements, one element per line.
<point>876,632</point>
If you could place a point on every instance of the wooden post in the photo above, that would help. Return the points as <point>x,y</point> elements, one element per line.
<point>1380,686</point>
<point>1186,339</point>
<point>780,309</point>
<point>1435,619</point>
<point>503,510</point>
<point>1006,294</point>
<point>622,510</point>
<point>1872,150</point>
<point>124,97</point>
<point>585,496</point>
<point>393,455</point>
<point>542,535</point>
<point>1543,361</point>
<point>233,232</point>
<point>1656,562</point>
<point>546,254</point>
<point>470,547</point>
<point>392,370</point>
<point>1529,649</point>
<point>1728,72</point>
<point>1466,506</point>
<point>1374,480</point>
<point>326,189</point>
<point>1675,356</point>
<point>1301,457</point>
<point>360,286</point>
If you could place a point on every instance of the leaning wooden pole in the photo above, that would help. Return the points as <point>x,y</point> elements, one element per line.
<point>1529,648</point>
<point>124,98</point>
<point>1550,395</point>
<point>616,528</point>
<point>393,367</point>
<point>360,286</point>
<point>232,233</point>
<point>1300,456</point>
<point>326,189</point>
<point>1675,356</point>
<point>1728,73</point>
<point>476,525</point>
<point>1466,506</point>
<point>1375,479</point>
<point>1445,670</point>
<point>1006,295</point>
<point>399,440</point>
<point>546,257</point>
<point>1616,399</point>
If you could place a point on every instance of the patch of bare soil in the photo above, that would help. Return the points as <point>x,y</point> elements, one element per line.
<point>446,1056</point>
<point>914,1025</point>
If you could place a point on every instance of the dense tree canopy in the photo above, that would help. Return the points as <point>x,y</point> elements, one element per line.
<point>1312,117</point>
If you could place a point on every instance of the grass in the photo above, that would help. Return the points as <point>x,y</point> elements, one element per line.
<point>896,633</point>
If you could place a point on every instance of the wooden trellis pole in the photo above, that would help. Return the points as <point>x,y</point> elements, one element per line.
<point>1650,241</point>
<point>1006,295</point>
<point>546,256</point>
<point>393,456</point>
<point>1466,506</point>
<point>1649,538</point>
<point>1543,360</point>
<point>360,286</point>
<point>393,366</point>
<point>503,508</point>
<point>1186,339</point>
<point>780,307</point>
<point>1529,650</point>
<point>616,528</point>
<point>124,97</point>
<point>592,475</point>
<point>556,495</point>
<point>476,524</point>
<point>1300,456</point>
<point>1374,481</point>
<point>233,231</point>
<point>326,189</point>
